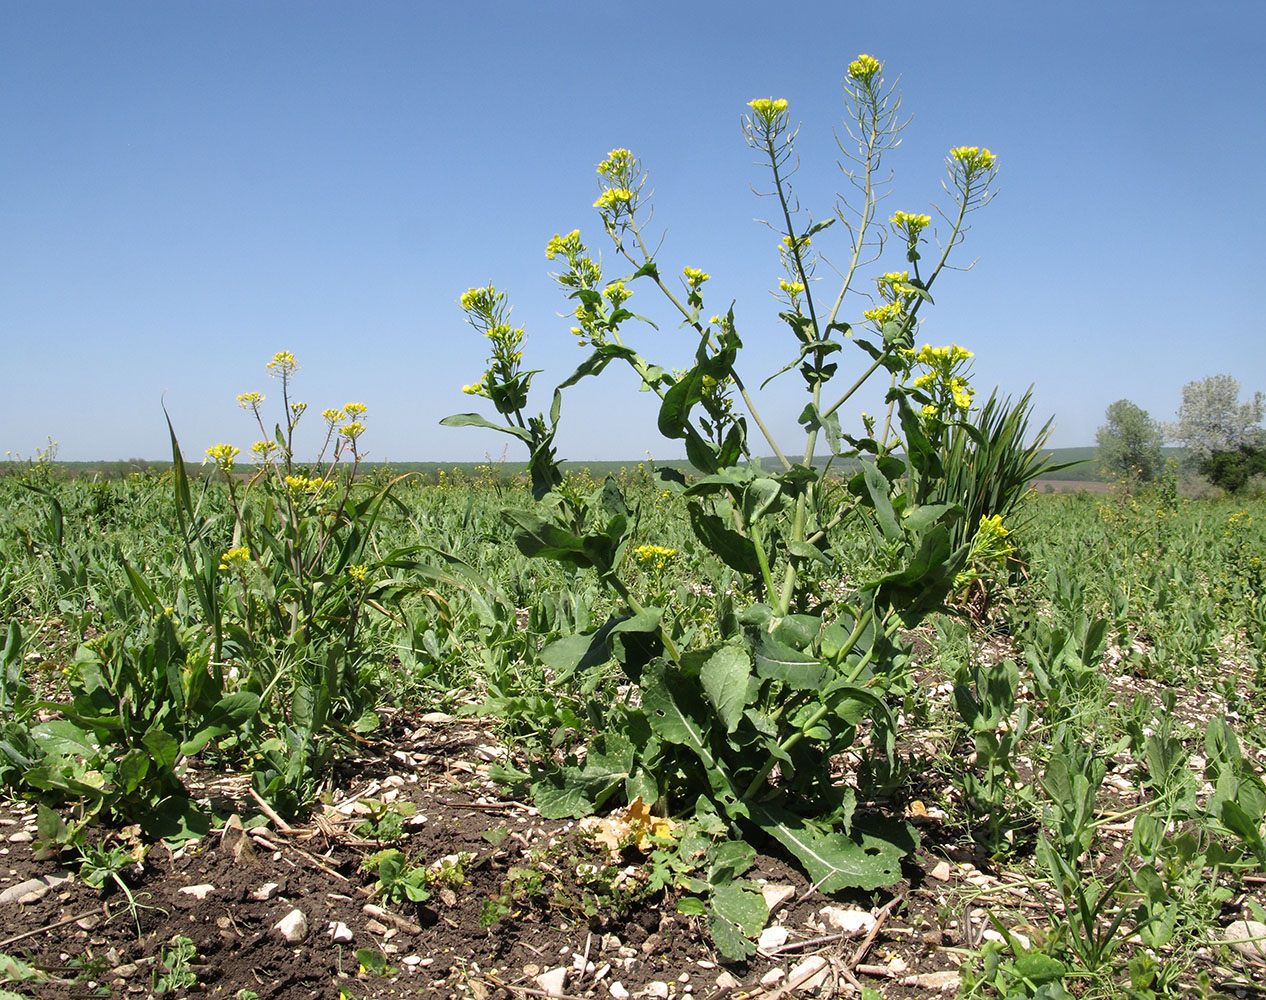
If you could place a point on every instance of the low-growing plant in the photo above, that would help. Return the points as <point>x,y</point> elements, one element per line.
<point>173,972</point>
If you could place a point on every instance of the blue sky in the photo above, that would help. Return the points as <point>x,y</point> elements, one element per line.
<point>187,188</point>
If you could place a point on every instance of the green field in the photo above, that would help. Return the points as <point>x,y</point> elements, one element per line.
<point>1100,689</point>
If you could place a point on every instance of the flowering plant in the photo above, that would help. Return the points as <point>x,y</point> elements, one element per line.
<point>737,723</point>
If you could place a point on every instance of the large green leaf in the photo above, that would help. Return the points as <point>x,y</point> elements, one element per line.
<point>738,914</point>
<point>833,860</point>
<point>227,715</point>
<point>724,677</point>
<point>779,661</point>
<point>476,420</point>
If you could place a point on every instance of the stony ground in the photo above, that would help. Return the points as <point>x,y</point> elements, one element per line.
<point>285,912</point>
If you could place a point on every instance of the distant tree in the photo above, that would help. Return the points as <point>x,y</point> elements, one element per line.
<point>1130,442</point>
<point>1231,470</point>
<point>1212,420</point>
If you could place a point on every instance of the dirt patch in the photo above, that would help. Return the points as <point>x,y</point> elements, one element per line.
<point>228,893</point>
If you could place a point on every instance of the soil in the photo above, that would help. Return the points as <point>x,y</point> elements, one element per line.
<point>90,942</point>
<point>228,892</point>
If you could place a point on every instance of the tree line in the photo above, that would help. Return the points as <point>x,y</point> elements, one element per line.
<point>1223,436</point>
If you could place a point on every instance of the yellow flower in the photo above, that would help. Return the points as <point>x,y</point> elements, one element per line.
<point>355,409</point>
<point>250,401</point>
<point>654,556</point>
<point>619,163</point>
<point>614,198</point>
<point>283,364</point>
<point>222,455</point>
<point>694,276</point>
<point>237,558</point>
<point>563,244</point>
<point>910,224</point>
<point>480,300</point>
<point>617,293</point>
<point>353,430</point>
<point>863,68</point>
<point>262,449</point>
<point>973,159</point>
<point>768,110</point>
<point>358,573</point>
<point>884,314</point>
<point>332,416</point>
<point>792,288</point>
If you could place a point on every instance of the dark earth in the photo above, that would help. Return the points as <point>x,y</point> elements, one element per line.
<point>584,928</point>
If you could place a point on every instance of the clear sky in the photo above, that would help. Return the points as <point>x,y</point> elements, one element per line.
<point>186,188</point>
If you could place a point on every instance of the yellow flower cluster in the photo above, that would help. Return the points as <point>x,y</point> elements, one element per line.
<point>222,455</point>
<point>565,245</point>
<point>308,484</point>
<point>886,313</point>
<point>283,364</point>
<point>946,376</point>
<point>618,164</point>
<point>694,276</point>
<point>896,283</point>
<point>951,354</point>
<point>614,199</point>
<point>655,557</point>
<point>792,288</point>
<point>910,224</point>
<point>864,68</point>
<point>972,159</point>
<point>250,401</point>
<point>358,573</point>
<point>236,558</point>
<point>617,294</point>
<point>768,110</point>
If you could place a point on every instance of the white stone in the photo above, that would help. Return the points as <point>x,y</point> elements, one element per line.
<point>847,920</point>
<point>772,937</point>
<point>618,991</point>
<point>1248,937</point>
<point>31,890</point>
<point>293,926</point>
<point>943,981</point>
<point>198,891</point>
<point>21,837</point>
<point>776,895</point>
<point>265,892</point>
<point>340,933</point>
<point>772,978</point>
<point>553,981</point>
<point>658,989</point>
<point>727,982</point>
<point>941,872</point>
<point>810,974</point>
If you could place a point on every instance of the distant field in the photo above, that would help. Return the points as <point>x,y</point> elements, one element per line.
<point>1082,472</point>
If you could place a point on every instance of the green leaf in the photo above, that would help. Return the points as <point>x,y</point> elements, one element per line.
<point>579,651</point>
<point>635,642</point>
<point>558,798</point>
<point>776,660</point>
<point>735,550</point>
<point>227,715</point>
<point>878,489</point>
<point>833,861</point>
<point>1039,968</point>
<point>724,677</point>
<point>691,906</point>
<point>738,914</point>
<point>477,420</point>
<point>162,746</point>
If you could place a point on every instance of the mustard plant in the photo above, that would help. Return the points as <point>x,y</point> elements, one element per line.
<point>737,725</point>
